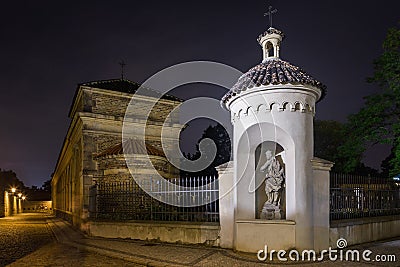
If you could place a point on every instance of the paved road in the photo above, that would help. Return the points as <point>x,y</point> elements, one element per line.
<point>27,240</point>
<point>63,255</point>
<point>21,235</point>
<point>37,240</point>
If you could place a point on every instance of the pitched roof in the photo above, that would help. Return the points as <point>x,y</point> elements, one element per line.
<point>273,71</point>
<point>124,86</point>
<point>131,147</point>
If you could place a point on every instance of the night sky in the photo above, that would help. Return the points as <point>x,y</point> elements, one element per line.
<point>48,47</point>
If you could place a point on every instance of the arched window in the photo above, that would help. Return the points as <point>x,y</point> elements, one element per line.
<point>269,49</point>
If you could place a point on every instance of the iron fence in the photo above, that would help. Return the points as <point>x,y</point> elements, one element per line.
<point>351,196</point>
<point>354,196</point>
<point>128,201</point>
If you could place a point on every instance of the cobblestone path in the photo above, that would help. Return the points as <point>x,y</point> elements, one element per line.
<point>63,255</point>
<point>27,240</point>
<point>21,235</point>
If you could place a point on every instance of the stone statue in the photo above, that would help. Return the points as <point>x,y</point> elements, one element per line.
<point>274,179</point>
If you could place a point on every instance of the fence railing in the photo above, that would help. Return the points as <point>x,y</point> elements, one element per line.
<point>351,196</point>
<point>354,196</point>
<point>128,201</point>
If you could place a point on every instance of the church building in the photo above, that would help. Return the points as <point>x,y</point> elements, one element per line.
<point>93,150</point>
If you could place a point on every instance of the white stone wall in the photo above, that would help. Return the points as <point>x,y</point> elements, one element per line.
<point>364,230</point>
<point>281,114</point>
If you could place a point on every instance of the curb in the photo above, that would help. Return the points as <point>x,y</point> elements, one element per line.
<point>62,237</point>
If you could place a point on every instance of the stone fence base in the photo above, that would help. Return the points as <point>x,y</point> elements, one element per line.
<point>357,231</point>
<point>171,232</point>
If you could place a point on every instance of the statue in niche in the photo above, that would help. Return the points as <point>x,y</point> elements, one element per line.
<point>274,181</point>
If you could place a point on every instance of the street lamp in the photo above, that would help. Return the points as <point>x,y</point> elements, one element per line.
<point>13,190</point>
<point>23,197</point>
<point>19,195</point>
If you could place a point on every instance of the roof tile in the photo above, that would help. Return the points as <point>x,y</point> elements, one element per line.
<point>273,71</point>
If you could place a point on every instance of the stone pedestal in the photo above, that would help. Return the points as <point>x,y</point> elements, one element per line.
<point>271,212</point>
<point>321,195</point>
<point>226,204</point>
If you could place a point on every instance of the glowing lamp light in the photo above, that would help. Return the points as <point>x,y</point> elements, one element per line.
<point>23,197</point>
<point>19,195</point>
<point>13,189</point>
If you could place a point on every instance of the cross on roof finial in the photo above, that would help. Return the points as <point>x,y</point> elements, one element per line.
<point>269,13</point>
<point>122,64</point>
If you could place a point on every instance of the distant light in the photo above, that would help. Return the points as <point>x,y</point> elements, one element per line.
<point>13,189</point>
<point>23,197</point>
<point>19,195</point>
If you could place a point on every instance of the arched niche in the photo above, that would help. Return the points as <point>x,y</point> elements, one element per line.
<point>248,181</point>
<point>275,186</point>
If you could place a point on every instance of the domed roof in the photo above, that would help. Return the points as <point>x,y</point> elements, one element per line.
<point>273,71</point>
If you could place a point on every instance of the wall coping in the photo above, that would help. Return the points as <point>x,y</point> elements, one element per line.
<point>259,221</point>
<point>321,164</point>
<point>366,220</point>
<point>205,225</point>
<point>226,167</point>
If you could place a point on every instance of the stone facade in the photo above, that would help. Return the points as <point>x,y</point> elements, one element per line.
<point>11,204</point>
<point>2,202</point>
<point>97,115</point>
